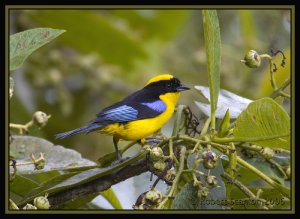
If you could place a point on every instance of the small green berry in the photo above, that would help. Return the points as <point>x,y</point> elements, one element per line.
<point>170,176</point>
<point>252,59</point>
<point>41,202</point>
<point>156,153</point>
<point>159,165</point>
<point>268,153</point>
<point>209,159</point>
<point>154,196</point>
<point>40,118</point>
<point>211,180</point>
<point>202,193</point>
<point>29,207</point>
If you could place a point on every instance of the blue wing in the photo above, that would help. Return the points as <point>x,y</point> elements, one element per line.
<point>120,114</point>
<point>130,112</point>
<point>158,106</point>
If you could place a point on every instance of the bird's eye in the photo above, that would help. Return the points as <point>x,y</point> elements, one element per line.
<point>168,85</point>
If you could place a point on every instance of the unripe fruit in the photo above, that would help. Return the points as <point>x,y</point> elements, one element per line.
<point>40,118</point>
<point>268,153</point>
<point>154,196</point>
<point>252,59</point>
<point>41,202</point>
<point>29,207</point>
<point>156,153</point>
<point>159,165</point>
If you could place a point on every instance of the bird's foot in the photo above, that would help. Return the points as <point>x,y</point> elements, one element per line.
<point>120,160</point>
<point>153,141</point>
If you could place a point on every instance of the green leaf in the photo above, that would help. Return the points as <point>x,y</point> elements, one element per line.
<point>212,40</point>
<point>57,157</point>
<point>178,119</point>
<point>224,126</point>
<point>82,202</point>
<point>93,33</point>
<point>267,169</point>
<point>22,185</point>
<point>226,100</point>
<point>24,43</point>
<point>111,197</point>
<point>89,175</point>
<point>43,187</point>
<point>107,159</point>
<point>76,179</point>
<point>187,198</point>
<point>264,119</point>
<point>272,196</point>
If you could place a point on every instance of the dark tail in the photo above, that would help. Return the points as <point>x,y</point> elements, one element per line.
<point>86,129</point>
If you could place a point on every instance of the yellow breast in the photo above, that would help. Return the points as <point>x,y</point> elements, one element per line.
<point>143,128</point>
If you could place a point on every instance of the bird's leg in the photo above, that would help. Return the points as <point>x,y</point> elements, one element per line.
<point>118,155</point>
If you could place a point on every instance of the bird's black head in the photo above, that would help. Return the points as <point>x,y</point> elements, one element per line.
<point>165,84</point>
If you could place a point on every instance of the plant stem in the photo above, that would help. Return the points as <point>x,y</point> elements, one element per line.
<point>250,147</point>
<point>213,122</point>
<point>193,171</point>
<point>25,163</point>
<point>224,149</point>
<point>205,127</point>
<point>21,127</point>
<point>245,139</point>
<point>171,153</point>
<point>273,82</point>
<point>281,150</point>
<point>241,186</point>
<point>284,94</point>
<point>282,189</point>
<point>221,147</point>
<point>278,166</point>
<point>176,180</point>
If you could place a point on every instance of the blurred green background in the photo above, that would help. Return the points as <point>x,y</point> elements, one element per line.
<point>107,54</point>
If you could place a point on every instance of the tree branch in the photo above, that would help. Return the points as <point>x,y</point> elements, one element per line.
<point>100,184</point>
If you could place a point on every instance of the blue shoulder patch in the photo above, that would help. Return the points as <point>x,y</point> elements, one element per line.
<point>158,105</point>
<point>121,114</point>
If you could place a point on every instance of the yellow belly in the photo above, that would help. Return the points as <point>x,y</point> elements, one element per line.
<point>143,128</point>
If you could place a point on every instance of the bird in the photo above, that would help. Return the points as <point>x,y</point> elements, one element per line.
<point>138,115</point>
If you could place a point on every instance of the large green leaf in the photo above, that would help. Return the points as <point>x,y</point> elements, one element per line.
<point>226,100</point>
<point>264,119</point>
<point>111,197</point>
<point>212,40</point>
<point>57,157</point>
<point>80,203</point>
<point>76,179</point>
<point>240,201</point>
<point>267,169</point>
<point>21,186</point>
<point>22,44</point>
<point>187,197</point>
<point>107,159</point>
<point>89,31</point>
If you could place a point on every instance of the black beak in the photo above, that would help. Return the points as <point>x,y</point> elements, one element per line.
<point>182,87</point>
